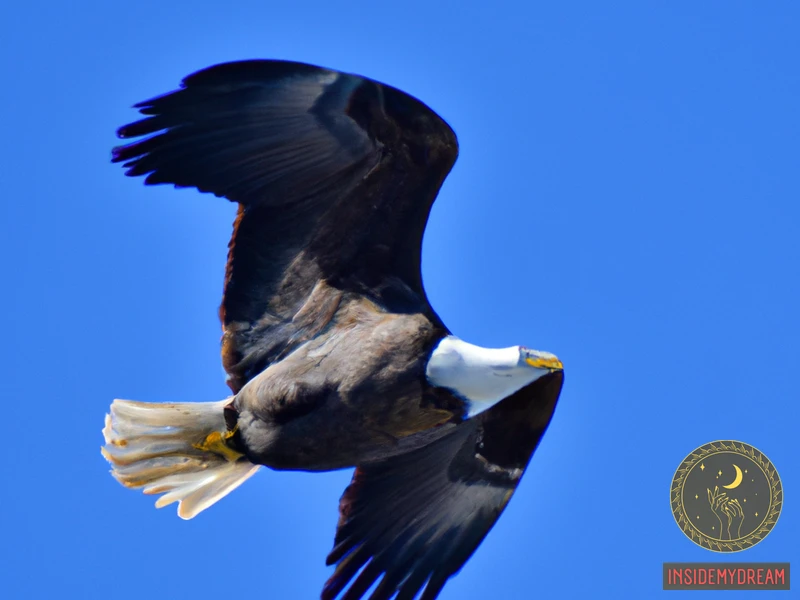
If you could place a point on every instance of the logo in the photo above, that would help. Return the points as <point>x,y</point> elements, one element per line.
<point>726,496</point>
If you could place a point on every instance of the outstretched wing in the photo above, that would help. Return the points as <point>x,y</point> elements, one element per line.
<point>334,174</point>
<point>418,517</point>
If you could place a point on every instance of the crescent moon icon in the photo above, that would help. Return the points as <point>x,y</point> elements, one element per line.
<point>736,481</point>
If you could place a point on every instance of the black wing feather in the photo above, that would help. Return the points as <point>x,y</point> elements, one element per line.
<point>252,132</point>
<point>335,175</point>
<point>417,518</point>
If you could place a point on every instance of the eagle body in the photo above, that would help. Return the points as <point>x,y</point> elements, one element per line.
<point>351,394</point>
<point>333,354</point>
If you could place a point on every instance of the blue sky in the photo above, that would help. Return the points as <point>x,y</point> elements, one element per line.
<point>626,196</point>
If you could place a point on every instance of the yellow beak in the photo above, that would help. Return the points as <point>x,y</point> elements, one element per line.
<point>545,363</point>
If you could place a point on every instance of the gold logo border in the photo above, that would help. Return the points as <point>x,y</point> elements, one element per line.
<point>776,496</point>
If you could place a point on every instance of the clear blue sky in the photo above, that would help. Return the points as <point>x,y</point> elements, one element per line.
<point>627,196</point>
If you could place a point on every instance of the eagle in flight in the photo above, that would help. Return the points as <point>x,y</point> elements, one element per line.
<point>335,358</point>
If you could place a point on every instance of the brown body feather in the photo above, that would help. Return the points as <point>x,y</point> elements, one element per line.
<point>350,394</point>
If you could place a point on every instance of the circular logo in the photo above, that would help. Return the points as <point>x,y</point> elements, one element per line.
<point>726,496</point>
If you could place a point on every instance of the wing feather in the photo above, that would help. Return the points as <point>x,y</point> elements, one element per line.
<point>415,519</point>
<point>335,176</point>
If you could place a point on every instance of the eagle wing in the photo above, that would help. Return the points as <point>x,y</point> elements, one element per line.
<point>416,518</point>
<point>334,175</point>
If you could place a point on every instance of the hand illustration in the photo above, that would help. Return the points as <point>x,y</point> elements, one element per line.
<point>735,513</point>
<point>717,501</point>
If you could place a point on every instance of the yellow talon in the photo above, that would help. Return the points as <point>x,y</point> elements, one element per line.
<point>215,442</point>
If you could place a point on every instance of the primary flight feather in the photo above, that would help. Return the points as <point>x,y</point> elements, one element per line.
<point>334,356</point>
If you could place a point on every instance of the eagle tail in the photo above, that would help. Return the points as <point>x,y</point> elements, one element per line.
<point>176,449</point>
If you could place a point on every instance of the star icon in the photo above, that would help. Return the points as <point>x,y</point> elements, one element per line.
<point>702,467</point>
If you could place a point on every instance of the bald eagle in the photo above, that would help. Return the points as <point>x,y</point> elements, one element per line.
<point>335,358</point>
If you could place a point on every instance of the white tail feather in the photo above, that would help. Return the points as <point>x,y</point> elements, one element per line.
<point>174,449</point>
